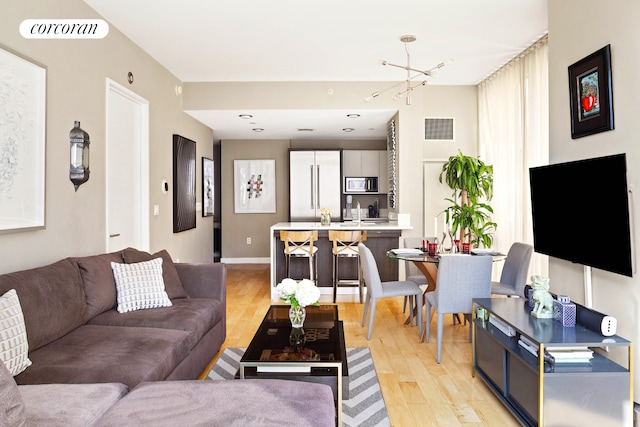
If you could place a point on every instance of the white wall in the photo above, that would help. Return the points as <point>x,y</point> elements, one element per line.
<point>577,28</point>
<point>76,78</point>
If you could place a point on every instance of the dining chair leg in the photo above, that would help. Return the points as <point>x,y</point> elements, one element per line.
<point>373,312</point>
<point>360,279</point>
<point>427,328</point>
<point>440,328</point>
<point>419,316</point>
<point>366,308</point>
<point>411,311</point>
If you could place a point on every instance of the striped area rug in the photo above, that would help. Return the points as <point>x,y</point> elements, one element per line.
<point>364,408</point>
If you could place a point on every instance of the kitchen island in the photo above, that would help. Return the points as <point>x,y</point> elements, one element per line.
<point>381,236</point>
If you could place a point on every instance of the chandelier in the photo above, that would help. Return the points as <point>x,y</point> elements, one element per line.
<point>409,83</point>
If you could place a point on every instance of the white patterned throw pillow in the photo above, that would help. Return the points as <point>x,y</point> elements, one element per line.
<point>140,285</point>
<point>14,348</point>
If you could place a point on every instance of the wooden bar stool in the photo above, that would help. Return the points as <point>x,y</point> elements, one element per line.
<point>299,244</point>
<point>345,245</point>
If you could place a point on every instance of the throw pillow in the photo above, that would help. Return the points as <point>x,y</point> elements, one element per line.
<point>11,402</point>
<point>172,283</point>
<point>14,348</point>
<point>140,285</point>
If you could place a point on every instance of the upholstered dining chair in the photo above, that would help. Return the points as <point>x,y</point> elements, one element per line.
<point>514,271</point>
<point>378,289</point>
<point>301,244</point>
<point>412,273</point>
<point>461,278</point>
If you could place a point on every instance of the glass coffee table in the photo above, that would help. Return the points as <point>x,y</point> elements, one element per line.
<point>314,353</point>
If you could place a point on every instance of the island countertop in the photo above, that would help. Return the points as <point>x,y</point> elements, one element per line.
<point>347,225</point>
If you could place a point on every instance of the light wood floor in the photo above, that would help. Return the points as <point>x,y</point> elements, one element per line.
<point>417,390</point>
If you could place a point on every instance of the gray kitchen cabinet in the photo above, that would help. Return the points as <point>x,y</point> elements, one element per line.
<point>351,163</point>
<point>367,163</point>
<point>383,177</point>
<point>592,393</point>
<point>361,163</point>
<point>370,163</point>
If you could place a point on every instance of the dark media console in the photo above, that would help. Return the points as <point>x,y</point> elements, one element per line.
<point>595,392</point>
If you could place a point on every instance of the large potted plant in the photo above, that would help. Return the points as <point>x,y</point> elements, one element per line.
<point>472,183</point>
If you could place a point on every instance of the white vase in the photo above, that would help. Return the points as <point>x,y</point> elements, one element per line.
<point>297,315</point>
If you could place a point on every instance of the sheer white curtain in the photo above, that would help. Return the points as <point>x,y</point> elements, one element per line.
<point>513,116</point>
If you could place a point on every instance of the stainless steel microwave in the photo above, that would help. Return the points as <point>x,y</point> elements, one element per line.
<point>361,184</point>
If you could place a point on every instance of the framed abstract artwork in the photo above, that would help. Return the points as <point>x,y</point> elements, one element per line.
<point>591,94</point>
<point>254,186</point>
<point>22,143</point>
<point>184,184</point>
<point>207,187</point>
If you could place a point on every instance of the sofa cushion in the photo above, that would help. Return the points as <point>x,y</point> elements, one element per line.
<point>52,299</point>
<point>172,283</point>
<point>194,315</point>
<point>98,281</point>
<point>95,354</point>
<point>69,405</point>
<point>14,348</point>
<point>140,285</point>
<point>257,402</point>
<point>11,402</point>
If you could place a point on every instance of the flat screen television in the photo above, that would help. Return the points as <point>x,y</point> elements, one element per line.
<point>580,212</point>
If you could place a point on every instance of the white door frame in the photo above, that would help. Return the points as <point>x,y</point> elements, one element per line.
<point>113,87</point>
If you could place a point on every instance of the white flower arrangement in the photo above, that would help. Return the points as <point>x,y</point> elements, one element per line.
<point>325,211</point>
<point>298,294</point>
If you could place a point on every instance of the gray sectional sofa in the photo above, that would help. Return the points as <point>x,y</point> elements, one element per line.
<point>259,402</point>
<point>92,365</point>
<point>75,334</point>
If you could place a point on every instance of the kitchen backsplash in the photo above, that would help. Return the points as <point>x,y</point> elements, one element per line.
<point>364,213</point>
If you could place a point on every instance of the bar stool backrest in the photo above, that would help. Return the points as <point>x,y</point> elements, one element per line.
<point>345,242</point>
<point>299,243</point>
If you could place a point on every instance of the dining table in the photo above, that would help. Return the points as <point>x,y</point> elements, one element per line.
<point>428,265</point>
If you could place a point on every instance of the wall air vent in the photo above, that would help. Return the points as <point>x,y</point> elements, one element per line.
<point>305,130</point>
<point>438,129</point>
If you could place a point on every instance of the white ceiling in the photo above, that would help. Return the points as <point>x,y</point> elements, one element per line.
<point>330,40</point>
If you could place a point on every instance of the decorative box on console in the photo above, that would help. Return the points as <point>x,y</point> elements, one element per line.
<point>532,302</point>
<point>564,311</point>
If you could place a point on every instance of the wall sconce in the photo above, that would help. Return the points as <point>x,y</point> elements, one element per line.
<point>79,169</point>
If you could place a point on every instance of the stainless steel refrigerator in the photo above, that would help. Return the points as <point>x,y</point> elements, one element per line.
<point>314,184</point>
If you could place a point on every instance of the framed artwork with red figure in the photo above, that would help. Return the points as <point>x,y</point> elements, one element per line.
<point>591,94</point>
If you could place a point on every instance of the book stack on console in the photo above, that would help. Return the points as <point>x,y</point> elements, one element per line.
<point>571,354</point>
<point>502,326</point>
<point>528,345</point>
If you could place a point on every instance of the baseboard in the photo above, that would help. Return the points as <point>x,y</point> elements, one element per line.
<point>245,260</point>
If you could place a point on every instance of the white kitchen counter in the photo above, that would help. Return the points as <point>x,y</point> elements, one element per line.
<point>364,225</point>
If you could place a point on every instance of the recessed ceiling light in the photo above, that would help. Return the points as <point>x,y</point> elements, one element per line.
<point>245,116</point>
<point>257,129</point>
<point>348,129</point>
<point>353,115</point>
